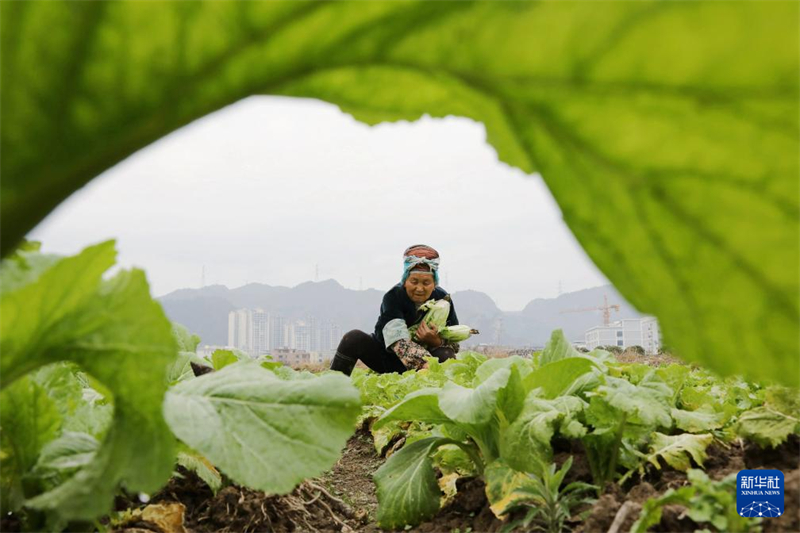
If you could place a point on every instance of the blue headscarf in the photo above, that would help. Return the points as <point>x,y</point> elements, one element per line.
<point>412,261</point>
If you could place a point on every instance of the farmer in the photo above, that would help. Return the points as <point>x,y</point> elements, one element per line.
<point>390,348</point>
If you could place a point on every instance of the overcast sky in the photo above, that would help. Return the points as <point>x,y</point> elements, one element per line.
<point>268,188</point>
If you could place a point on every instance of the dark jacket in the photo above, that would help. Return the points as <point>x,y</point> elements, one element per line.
<point>397,304</point>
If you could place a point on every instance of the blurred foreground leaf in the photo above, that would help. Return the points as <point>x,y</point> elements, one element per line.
<point>60,309</point>
<point>667,131</point>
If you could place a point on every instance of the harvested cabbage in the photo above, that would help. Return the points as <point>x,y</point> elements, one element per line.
<point>436,313</point>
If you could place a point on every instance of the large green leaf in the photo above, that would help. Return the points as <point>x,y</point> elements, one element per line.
<point>773,422</point>
<point>61,384</point>
<point>407,489</point>
<point>421,405</point>
<point>647,403</point>
<point>29,420</point>
<point>704,419</point>
<point>222,358</point>
<point>473,406</point>
<point>187,342</point>
<point>264,432</point>
<point>70,451</point>
<point>677,449</point>
<point>667,131</point>
<point>527,441</point>
<point>557,348</point>
<point>60,309</point>
<point>493,365</point>
<point>82,408</point>
<point>502,487</point>
<point>560,377</point>
<point>511,398</point>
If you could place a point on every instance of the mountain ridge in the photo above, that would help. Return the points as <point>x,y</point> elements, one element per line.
<point>205,310</point>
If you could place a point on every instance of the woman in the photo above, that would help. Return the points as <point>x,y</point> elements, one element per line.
<point>390,348</point>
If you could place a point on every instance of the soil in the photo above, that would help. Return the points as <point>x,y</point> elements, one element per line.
<point>341,500</point>
<point>661,359</point>
<point>721,462</point>
<point>10,522</point>
<point>351,478</point>
<point>344,500</point>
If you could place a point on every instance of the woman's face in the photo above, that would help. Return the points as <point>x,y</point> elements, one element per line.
<point>419,287</point>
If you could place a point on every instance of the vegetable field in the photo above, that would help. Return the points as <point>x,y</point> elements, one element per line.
<point>560,440</point>
<point>667,132</point>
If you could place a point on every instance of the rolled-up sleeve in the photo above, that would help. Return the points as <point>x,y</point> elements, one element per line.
<point>395,330</point>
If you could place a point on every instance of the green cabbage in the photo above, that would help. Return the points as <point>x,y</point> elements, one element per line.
<point>436,314</point>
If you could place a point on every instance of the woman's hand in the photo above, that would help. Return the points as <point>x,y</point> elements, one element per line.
<point>428,335</point>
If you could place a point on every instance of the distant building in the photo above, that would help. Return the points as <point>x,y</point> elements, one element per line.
<point>625,333</point>
<point>291,357</point>
<point>261,333</point>
<point>240,330</point>
<point>257,332</point>
<point>277,337</point>
<point>330,335</point>
<point>301,338</point>
<point>322,357</point>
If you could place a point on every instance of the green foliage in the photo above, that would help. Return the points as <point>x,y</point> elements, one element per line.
<point>407,487</point>
<point>263,431</point>
<point>490,366</point>
<point>462,370</point>
<point>549,504</point>
<point>502,485</point>
<point>86,362</point>
<point>708,503</point>
<point>616,350</point>
<point>676,451</point>
<point>195,462</point>
<point>181,367</point>
<point>704,419</point>
<point>30,419</point>
<point>646,403</point>
<point>68,452</point>
<point>187,342</point>
<point>473,418</point>
<point>771,424</point>
<point>526,443</point>
<point>61,309</point>
<point>557,348</point>
<point>629,418</point>
<point>636,349</point>
<point>476,406</point>
<point>222,358</point>
<point>679,130</point>
<point>420,406</point>
<point>562,377</point>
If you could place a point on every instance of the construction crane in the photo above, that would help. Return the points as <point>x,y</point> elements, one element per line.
<point>605,308</point>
